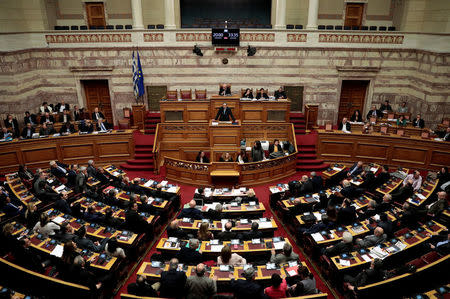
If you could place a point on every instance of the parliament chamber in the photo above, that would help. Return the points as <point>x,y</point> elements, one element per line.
<point>224,149</point>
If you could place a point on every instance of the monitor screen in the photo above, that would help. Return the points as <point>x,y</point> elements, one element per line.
<point>225,37</point>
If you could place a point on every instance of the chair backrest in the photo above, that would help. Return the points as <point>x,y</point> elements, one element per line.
<point>384,130</point>
<point>328,127</point>
<point>400,132</point>
<point>347,27</point>
<point>124,124</point>
<point>390,115</point>
<point>151,26</point>
<point>364,27</point>
<point>186,94</point>
<point>200,94</point>
<point>172,95</point>
<point>391,28</point>
<point>355,27</point>
<point>119,26</point>
<point>338,27</point>
<point>128,27</point>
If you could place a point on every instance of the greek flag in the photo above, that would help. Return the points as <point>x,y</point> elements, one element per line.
<point>138,77</point>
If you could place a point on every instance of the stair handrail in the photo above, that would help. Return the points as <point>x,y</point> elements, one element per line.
<point>155,150</point>
<point>293,137</point>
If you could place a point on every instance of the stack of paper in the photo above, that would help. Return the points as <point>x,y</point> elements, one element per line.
<point>278,245</point>
<point>58,220</point>
<point>345,263</point>
<point>164,183</point>
<point>60,188</point>
<point>317,237</point>
<point>148,183</point>
<point>216,248</point>
<point>57,251</point>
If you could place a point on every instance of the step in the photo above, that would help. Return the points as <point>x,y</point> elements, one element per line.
<point>306,156</point>
<point>152,120</point>
<point>309,161</point>
<point>140,161</point>
<point>143,150</point>
<point>322,166</point>
<point>306,150</point>
<point>149,132</point>
<point>143,156</point>
<point>296,114</point>
<point>297,121</point>
<point>136,167</point>
<point>150,126</point>
<point>153,114</point>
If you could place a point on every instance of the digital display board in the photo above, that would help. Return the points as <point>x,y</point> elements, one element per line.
<point>225,37</point>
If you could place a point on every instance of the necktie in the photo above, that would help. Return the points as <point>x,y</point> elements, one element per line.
<point>102,126</point>
<point>97,115</point>
<point>374,113</point>
<point>224,111</point>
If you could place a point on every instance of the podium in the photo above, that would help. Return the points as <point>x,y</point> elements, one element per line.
<point>224,134</point>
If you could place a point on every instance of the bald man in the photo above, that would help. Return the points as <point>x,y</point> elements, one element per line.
<point>200,286</point>
<point>378,237</point>
<point>191,212</point>
<point>307,185</point>
<point>172,281</point>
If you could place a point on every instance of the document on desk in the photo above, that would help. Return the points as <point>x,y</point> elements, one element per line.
<point>265,224</point>
<point>148,183</point>
<point>278,245</point>
<point>373,169</point>
<point>345,263</point>
<point>421,196</point>
<point>216,248</point>
<point>60,188</point>
<point>115,173</point>
<point>337,169</point>
<point>366,258</point>
<point>164,183</point>
<point>317,237</point>
<point>57,251</point>
<point>58,220</point>
<point>172,189</point>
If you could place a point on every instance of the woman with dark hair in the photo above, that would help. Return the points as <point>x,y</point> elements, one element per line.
<point>247,94</point>
<point>228,258</point>
<point>278,287</point>
<point>261,94</point>
<point>201,157</point>
<point>112,249</point>
<point>257,152</point>
<point>69,253</point>
<point>306,285</point>
<point>356,116</point>
<point>242,157</point>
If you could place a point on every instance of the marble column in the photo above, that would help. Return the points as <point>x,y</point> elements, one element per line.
<point>136,11</point>
<point>313,14</point>
<point>169,9</point>
<point>280,14</point>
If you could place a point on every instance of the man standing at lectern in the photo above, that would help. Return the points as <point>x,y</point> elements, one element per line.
<point>224,113</point>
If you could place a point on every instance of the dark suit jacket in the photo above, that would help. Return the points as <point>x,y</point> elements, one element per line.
<point>252,235</point>
<point>25,132</point>
<point>346,215</point>
<point>26,119</point>
<point>264,95</point>
<point>307,187</point>
<point>77,115</point>
<point>57,172</point>
<point>223,92</point>
<point>339,248</point>
<point>280,94</point>
<point>402,193</point>
<point>226,236</point>
<point>192,213</point>
<point>357,171</point>
<point>244,289</point>
<point>66,106</point>
<point>384,107</point>
<point>348,127</point>
<point>421,123</point>
<point>349,191</point>
<point>378,112</point>
<point>64,129</point>
<point>172,284</point>
<point>205,159</point>
<point>62,206</point>
<point>16,130</point>
<point>317,182</point>
<point>135,222</point>
<point>61,118</point>
<point>225,116</point>
<point>249,96</point>
<point>272,147</point>
<point>50,118</point>
<point>189,256</point>
<point>94,116</point>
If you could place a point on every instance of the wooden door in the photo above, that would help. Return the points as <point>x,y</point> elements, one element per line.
<point>95,14</point>
<point>354,14</point>
<point>353,94</point>
<point>295,94</point>
<point>154,95</point>
<point>97,95</point>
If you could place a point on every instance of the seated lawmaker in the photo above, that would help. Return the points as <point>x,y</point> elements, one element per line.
<point>65,116</point>
<point>225,90</point>
<point>87,126</point>
<point>307,186</point>
<point>204,233</point>
<point>248,94</point>
<point>30,118</point>
<point>45,108</point>
<point>172,281</point>
<point>367,276</point>
<point>378,237</point>
<point>191,212</point>
<point>374,112</point>
<point>4,133</point>
<point>438,206</point>
<point>67,128</point>
<point>58,169</point>
<point>60,107</point>
<point>174,230</point>
<point>418,122</point>
<point>345,126</point>
<point>101,126</point>
<point>224,113</point>
<point>226,157</point>
<point>402,108</point>
<point>46,130</point>
<point>401,121</point>
<point>404,192</point>
<point>285,256</point>
<point>275,147</point>
<point>201,157</point>
<point>280,93</point>
<point>86,243</point>
<point>27,132</point>
<point>356,116</point>
<point>254,233</point>
<point>306,285</point>
<point>231,259</point>
<point>356,169</point>
<point>416,178</point>
<point>386,106</point>
<point>261,94</point>
<point>257,152</point>
<point>12,124</point>
<point>47,118</point>
<point>189,255</point>
<point>345,246</point>
<point>242,157</point>
<point>227,234</point>
<point>77,114</point>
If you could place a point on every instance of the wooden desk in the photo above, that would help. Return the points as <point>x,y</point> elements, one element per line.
<point>224,134</point>
<point>216,226</point>
<point>423,193</point>
<point>73,149</point>
<point>413,152</point>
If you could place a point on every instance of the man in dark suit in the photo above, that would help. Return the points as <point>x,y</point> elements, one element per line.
<point>356,169</point>
<point>87,126</point>
<point>348,189</point>
<point>345,125</point>
<point>96,115</point>
<point>46,130</point>
<point>227,234</point>
<point>280,93</point>
<point>76,113</point>
<point>27,132</point>
<point>317,181</point>
<point>11,123</point>
<point>370,211</point>
<point>248,288</point>
<point>403,192</point>
<point>346,214</point>
<point>189,255</point>
<point>72,175</point>
<point>306,186</point>
<point>62,205</point>
<point>47,118</point>
<point>418,122</point>
<point>67,128</point>
<point>374,112</point>
<point>386,106</point>
<point>224,113</point>
<point>345,246</point>
<point>30,118</point>
<point>172,281</point>
<point>134,221</point>
<point>58,169</point>
<point>447,135</point>
<point>254,233</point>
<point>382,177</point>
<point>65,116</point>
<point>174,230</point>
<point>60,107</point>
<point>191,212</point>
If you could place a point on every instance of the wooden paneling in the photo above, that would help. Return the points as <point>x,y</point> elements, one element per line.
<point>138,116</point>
<point>102,148</point>
<point>411,152</point>
<point>354,14</point>
<point>154,95</point>
<point>353,94</point>
<point>295,94</point>
<point>97,95</point>
<point>95,14</point>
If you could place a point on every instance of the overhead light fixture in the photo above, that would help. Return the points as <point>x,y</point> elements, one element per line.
<point>251,51</point>
<point>197,51</point>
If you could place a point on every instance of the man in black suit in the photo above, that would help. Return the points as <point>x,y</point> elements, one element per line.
<point>62,205</point>
<point>403,192</point>
<point>356,169</point>
<point>29,118</point>
<point>382,177</point>
<point>280,93</point>
<point>254,233</point>
<point>224,113</point>
<point>247,288</point>
<point>317,181</point>
<point>224,90</point>
<point>386,106</point>
<point>174,230</point>
<point>227,234</point>
<point>134,221</point>
<point>191,212</point>
<point>86,243</point>
<point>67,128</point>
<point>172,281</point>
<point>47,118</point>
<point>76,113</point>
<point>65,116</point>
<point>346,213</point>
<point>189,255</point>
<point>307,185</point>
<point>27,132</point>
<point>345,125</point>
<point>348,190</point>
<point>11,123</point>
<point>60,107</point>
<point>374,112</point>
<point>96,115</point>
<point>72,175</point>
<point>418,122</point>
<point>46,130</point>
<point>447,135</point>
<point>59,170</point>
<point>86,126</point>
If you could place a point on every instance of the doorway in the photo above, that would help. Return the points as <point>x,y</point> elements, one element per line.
<point>97,95</point>
<point>295,94</point>
<point>95,12</point>
<point>353,95</point>
<point>354,14</point>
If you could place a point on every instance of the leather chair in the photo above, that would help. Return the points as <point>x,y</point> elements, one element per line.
<point>172,95</point>
<point>200,94</point>
<point>186,94</point>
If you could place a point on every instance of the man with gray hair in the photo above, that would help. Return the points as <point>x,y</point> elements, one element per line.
<point>91,171</point>
<point>248,288</point>
<point>172,281</point>
<point>317,181</point>
<point>216,213</point>
<point>346,245</point>
<point>285,256</point>
<point>189,255</point>
<point>80,182</point>
<point>199,286</point>
<point>58,169</point>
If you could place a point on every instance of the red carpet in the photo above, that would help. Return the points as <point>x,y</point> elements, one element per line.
<point>262,192</point>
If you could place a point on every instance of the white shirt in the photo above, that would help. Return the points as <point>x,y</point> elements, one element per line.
<point>46,230</point>
<point>416,182</point>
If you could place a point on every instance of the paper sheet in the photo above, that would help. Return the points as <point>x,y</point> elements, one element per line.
<point>164,183</point>
<point>265,224</point>
<point>344,263</point>
<point>148,183</point>
<point>373,169</point>
<point>337,168</point>
<point>366,258</point>
<point>420,196</point>
<point>216,248</point>
<point>115,173</point>
<point>58,220</point>
<point>60,188</point>
<point>57,251</point>
<point>278,245</point>
<point>317,237</point>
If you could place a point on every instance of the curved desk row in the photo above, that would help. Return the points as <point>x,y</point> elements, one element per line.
<point>102,148</point>
<point>413,152</point>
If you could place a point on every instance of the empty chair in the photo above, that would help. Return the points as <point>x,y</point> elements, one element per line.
<point>159,26</point>
<point>321,27</point>
<point>128,27</point>
<point>151,26</point>
<point>391,28</point>
<point>119,26</point>
<point>364,27</point>
<point>200,94</point>
<point>110,27</point>
<point>172,95</point>
<point>290,26</point>
<point>58,27</point>
<point>338,27</point>
<point>74,27</point>
<point>329,27</point>
<point>419,263</point>
<point>83,27</point>
<point>382,28</point>
<point>373,28</point>
<point>347,27</point>
<point>186,94</point>
<point>93,27</point>
<point>401,232</point>
<point>101,27</point>
<point>298,26</point>
<point>430,257</point>
<point>355,27</point>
